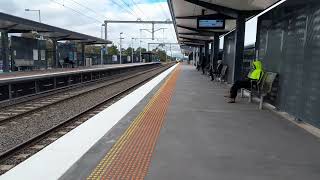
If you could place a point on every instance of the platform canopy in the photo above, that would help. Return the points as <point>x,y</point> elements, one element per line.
<point>14,24</point>
<point>185,13</point>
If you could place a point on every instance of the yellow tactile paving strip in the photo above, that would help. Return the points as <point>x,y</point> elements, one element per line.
<point>130,157</point>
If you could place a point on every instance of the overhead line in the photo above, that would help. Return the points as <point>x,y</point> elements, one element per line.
<point>89,9</point>
<point>77,12</point>
<point>121,6</point>
<point>129,8</point>
<point>135,4</point>
<point>96,21</point>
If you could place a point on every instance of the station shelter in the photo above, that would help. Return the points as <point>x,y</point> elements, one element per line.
<point>287,41</point>
<point>42,50</point>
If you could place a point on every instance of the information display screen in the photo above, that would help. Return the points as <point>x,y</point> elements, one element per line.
<point>211,23</point>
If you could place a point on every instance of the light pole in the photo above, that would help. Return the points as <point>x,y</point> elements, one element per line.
<point>171,53</point>
<point>132,50</point>
<point>36,10</point>
<point>140,46</point>
<point>101,48</point>
<point>101,31</point>
<point>121,47</point>
<point>39,14</point>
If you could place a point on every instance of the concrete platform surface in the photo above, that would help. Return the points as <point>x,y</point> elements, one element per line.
<point>206,138</point>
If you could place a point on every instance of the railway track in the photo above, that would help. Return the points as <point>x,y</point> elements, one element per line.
<point>20,100</point>
<point>22,109</point>
<point>21,151</point>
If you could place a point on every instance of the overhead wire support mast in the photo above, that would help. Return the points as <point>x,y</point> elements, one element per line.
<point>140,22</point>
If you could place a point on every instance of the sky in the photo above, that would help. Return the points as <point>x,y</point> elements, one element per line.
<point>86,17</point>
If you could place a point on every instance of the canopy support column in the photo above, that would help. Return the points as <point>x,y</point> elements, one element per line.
<point>206,55</point>
<point>55,62</point>
<point>216,44</point>
<point>83,55</point>
<point>239,47</point>
<point>201,55</point>
<point>5,51</point>
<point>212,54</point>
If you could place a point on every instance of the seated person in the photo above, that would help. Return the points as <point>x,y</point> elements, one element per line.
<point>254,75</point>
<point>217,70</point>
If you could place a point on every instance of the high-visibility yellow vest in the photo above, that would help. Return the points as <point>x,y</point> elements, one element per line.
<point>257,71</point>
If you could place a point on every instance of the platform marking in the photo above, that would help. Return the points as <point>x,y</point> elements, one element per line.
<point>130,157</point>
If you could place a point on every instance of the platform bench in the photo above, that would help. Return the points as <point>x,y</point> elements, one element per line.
<point>261,88</point>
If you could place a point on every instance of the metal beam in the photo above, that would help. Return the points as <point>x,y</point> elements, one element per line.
<point>193,39</point>
<point>139,22</point>
<point>250,13</point>
<point>192,45</point>
<point>196,34</point>
<point>59,38</point>
<point>220,9</point>
<point>163,43</point>
<point>204,34</point>
<point>89,42</point>
<point>190,41</point>
<point>218,16</point>
<point>194,29</point>
<point>7,28</point>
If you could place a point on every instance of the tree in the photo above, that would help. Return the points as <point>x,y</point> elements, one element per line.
<point>142,50</point>
<point>113,50</point>
<point>161,54</point>
<point>93,49</point>
<point>127,52</point>
<point>32,35</point>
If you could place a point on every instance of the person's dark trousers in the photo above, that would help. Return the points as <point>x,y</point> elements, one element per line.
<point>198,67</point>
<point>203,67</point>
<point>238,85</point>
<point>211,74</point>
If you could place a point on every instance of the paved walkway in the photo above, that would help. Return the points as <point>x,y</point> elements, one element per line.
<point>206,138</point>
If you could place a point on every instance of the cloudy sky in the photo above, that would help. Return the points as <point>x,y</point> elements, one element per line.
<point>87,16</point>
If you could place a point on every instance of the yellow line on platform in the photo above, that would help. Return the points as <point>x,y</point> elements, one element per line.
<point>129,158</point>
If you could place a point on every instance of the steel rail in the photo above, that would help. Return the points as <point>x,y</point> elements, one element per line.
<point>3,121</point>
<point>14,149</point>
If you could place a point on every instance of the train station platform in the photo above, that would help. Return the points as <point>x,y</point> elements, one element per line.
<point>184,129</point>
<point>203,137</point>
<point>9,76</point>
